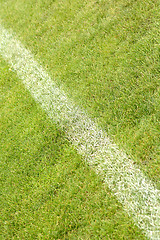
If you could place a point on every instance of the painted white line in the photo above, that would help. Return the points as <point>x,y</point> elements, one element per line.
<point>131,187</point>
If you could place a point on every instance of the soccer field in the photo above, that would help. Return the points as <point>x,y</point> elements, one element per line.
<point>105,56</point>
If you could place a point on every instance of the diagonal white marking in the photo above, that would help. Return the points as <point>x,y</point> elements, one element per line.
<point>131,187</point>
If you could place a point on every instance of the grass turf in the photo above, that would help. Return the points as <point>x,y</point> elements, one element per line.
<point>106,55</point>
<point>47,191</point>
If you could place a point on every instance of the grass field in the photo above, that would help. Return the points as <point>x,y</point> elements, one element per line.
<point>106,56</point>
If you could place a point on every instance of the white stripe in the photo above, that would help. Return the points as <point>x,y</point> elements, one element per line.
<point>132,188</point>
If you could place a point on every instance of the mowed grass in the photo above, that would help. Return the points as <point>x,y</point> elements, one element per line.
<point>106,55</point>
<point>47,190</point>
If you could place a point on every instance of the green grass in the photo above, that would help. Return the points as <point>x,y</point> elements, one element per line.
<point>106,55</point>
<point>47,190</point>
